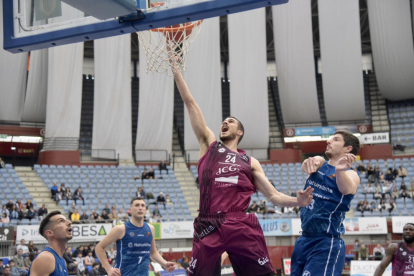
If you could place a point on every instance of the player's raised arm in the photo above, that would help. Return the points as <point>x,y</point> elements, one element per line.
<point>169,266</point>
<point>389,256</point>
<point>204,135</point>
<point>303,198</point>
<point>347,180</point>
<point>44,265</point>
<point>312,164</point>
<point>116,233</point>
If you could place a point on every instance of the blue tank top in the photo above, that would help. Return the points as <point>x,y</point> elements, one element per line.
<point>326,213</point>
<point>60,264</point>
<point>133,250</point>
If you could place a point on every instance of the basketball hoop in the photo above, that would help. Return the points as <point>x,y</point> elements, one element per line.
<point>168,46</point>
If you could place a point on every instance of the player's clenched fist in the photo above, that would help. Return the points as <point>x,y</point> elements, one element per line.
<point>312,164</point>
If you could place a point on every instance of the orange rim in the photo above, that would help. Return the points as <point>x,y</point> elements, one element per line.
<point>177,29</point>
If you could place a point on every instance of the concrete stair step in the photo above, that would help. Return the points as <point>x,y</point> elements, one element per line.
<point>27,174</point>
<point>23,169</point>
<point>38,189</point>
<point>34,184</point>
<point>30,179</point>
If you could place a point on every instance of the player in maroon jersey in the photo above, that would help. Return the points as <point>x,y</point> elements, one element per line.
<point>227,179</point>
<point>401,255</point>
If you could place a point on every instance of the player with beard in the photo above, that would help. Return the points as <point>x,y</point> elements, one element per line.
<point>57,230</point>
<point>320,250</point>
<point>228,178</point>
<point>400,254</point>
<point>135,243</point>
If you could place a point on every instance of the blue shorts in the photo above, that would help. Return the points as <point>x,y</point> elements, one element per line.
<point>318,256</point>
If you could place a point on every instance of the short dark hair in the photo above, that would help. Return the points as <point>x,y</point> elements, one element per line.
<point>350,140</point>
<point>11,261</point>
<point>240,127</point>
<point>45,222</point>
<point>95,264</point>
<point>136,198</point>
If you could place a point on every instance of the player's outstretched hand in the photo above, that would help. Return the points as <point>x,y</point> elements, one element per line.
<point>114,272</point>
<point>345,162</point>
<point>305,197</point>
<point>311,165</point>
<point>169,266</point>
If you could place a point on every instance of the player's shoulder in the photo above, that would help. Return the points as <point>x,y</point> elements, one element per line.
<point>44,263</point>
<point>392,249</point>
<point>150,226</point>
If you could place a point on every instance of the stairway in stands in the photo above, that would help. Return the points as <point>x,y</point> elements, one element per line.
<point>275,118</point>
<point>379,114</point>
<point>37,188</point>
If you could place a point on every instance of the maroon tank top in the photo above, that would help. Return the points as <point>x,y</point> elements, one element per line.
<point>403,262</point>
<point>225,179</point>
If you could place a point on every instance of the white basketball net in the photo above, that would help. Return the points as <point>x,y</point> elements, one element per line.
<point>161,44</point>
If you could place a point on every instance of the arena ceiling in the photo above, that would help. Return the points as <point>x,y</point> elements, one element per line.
<point>224,45</point>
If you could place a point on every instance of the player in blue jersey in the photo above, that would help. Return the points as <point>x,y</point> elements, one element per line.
<point>57,230</point>
<point>320,251</point>
<point>135,244</point>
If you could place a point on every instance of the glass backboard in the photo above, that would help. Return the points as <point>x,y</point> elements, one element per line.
<point>38,24</point>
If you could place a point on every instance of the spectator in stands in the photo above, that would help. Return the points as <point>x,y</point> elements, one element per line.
<point>58,195</point>
<point>361,169</point>
<point>4,210</point>
<point>105,216</point>
<point>379,252</point>
<point>19,204</point>
<point>161,199</point>
<point>293,193</point>
<point>370,170</point>
<point>23,214</point>
<point>32,248</point>
<point>91,247</point>
<point>122,215</point>
<point>363,253</point>
<point>19,262</point>
<point>112,215</point>
<point>13,269</point>
<point>395,194</point>
<point>79,260</point>
<point>29,259</point>
<point>147,215</point>
<point>68,195</point>
<point>75,217</point>
<point>78,195</point>
<point>159,218</point>
<point>140,192</point>
<point>22,246</point>
<point>367,206</point>
<point>263,208</point>
<point>360,206</point>
<point>356,248</point>
<point>254,208</point>
<point>106,209</point>
<point>387,243</point>
<point>89,259</point>
<point>403,187</point>
<point>404,195</point>
<point>153,219</point>
<point>2,164</point>
<point>94,215</point>
<point>185,263</point>
<point>373,206</point>
<point>71,210</point>
<point>389,176</point>
<point>84,217</point>
<point>169,201</point>
<point>377,195</point>
<point>2,266</point>
<point>368,189</point>
<point>111,253</point>
<point>10,204</point>
<point>78,250</point>
<point>14,213</point>
<point>155,212</point>
<point>144,175</point>
<point>42,212</point>
<point>163,166</point>
<point>29,204</point>
<point>151,174</point>
<point>4,218</point>
<point>95,270</point>
<point>394,172</point>
<point>378,173</point>
<point>70,262</point>
<point>411,188</point>
<point>54,190</point>
<point>31,214</point>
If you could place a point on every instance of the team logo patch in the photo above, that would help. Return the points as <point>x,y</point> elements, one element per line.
<point>130,245</point>
<point>331,176</point>
<point>306,273</point>
<point>404,253</point>
<point>285,227</point>
<point>132,234</point>
<point>262,261</point>
<point>148,234</point>
<point>221,150</point>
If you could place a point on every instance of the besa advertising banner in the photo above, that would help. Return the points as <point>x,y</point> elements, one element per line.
<point>367,268</point>
<point>86,232</point>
